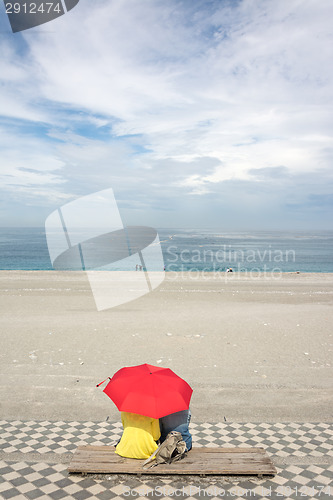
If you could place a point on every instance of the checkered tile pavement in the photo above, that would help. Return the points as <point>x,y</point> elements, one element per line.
<point>280,439</point>
<point>25,480</point>
<point>29,480</point>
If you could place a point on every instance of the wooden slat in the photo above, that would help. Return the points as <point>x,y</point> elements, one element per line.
<point>199,461</point>
<point>201,449</point>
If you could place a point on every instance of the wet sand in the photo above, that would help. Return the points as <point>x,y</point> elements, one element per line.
<point>254,348</point>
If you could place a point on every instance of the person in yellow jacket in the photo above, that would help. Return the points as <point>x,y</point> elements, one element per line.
<point>139,436</point>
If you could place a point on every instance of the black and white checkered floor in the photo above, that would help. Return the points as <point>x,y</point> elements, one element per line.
<point>308,476</point>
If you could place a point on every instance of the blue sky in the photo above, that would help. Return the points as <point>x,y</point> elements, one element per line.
<point>197,113</point>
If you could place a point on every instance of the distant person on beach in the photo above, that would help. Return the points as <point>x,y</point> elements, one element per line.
<point>229,270</point>
<point>180,422</point>
<point>139,436</point>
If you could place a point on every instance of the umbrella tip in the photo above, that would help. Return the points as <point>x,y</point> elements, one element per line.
<point>103,382</point>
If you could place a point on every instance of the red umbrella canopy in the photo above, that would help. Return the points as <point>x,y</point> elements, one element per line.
<point>148,390</point>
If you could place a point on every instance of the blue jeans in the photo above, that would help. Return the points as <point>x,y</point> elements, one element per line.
<point>180,422</point>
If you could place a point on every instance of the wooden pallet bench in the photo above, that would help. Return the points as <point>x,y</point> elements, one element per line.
<point>199,461</point>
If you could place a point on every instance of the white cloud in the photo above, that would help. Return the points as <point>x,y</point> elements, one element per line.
<point>247,84</point>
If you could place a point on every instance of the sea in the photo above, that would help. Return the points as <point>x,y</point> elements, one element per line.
<point>193,250</point>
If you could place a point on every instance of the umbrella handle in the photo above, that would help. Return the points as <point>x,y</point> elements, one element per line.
<point>103,382</point>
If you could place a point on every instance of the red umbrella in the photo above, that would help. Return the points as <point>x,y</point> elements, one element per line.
<point>148,390</point>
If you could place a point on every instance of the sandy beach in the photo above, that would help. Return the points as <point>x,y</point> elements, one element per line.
<point>254,348</point>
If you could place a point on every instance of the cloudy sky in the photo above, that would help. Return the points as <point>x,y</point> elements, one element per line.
<point>198,113</point>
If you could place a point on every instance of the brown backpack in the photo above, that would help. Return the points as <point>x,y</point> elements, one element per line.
<point>171,450</point>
